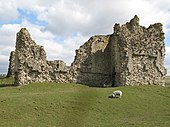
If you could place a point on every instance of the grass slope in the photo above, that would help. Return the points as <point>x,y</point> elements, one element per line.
<point>168,81</point>
<point>75,105</point>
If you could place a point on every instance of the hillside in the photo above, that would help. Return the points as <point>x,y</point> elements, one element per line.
<point>168,81</point>
<point>75,105</point>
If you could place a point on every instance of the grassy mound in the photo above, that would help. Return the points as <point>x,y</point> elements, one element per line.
<point>75,105</point>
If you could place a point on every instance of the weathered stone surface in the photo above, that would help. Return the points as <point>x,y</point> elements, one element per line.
<point>30,60</point>
<point>11,65</point>
<point>31,64</point>
<point>59,72</point>
<point>92,63</point>
<point>138,53</point>
<point>132,55</point>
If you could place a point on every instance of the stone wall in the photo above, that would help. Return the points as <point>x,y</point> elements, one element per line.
<point>92,62</point>
<point>30,60</point>
<point>132,55</point>
<point>11,67</point>
<point>139,53</point>
<point>59,72</point>
<point>31,64</point>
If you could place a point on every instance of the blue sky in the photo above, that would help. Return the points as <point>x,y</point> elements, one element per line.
<point>61,26</point>
<point>167,40</point>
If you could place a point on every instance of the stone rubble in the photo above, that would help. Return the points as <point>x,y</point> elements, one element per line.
<point>132,55</point>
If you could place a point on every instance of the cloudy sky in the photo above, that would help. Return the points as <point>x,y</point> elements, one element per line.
<point>61,26</point>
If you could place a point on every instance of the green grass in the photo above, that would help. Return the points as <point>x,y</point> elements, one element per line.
<point>168,81</point>
<point>6,81</point>
<point>75,105</point>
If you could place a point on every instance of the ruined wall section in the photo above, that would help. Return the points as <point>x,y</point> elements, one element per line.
<point>92,62</point>
<point>30,60</point>
<point>31,64</point>
<point>139,53</point>
<point>59,72</point>
<point>132,55</point>
<point>11,67</point>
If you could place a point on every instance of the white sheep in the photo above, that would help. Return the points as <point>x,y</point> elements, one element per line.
<point>117,94</point>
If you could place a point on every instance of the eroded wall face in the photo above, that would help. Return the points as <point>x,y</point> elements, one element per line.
<point>29,60</point>
<point>93,62</point>
<point>140,54</point>
<point>31,64</point>
<point>132,55</point>
<point>11,67</point>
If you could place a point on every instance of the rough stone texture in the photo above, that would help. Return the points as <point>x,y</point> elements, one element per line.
<point>30,60</point>
<point>58,71</point>
<point>92,64</point>
<point>11,65</point>
<point>31,64</point>
<point>132,55</point>
<point>138,54</point>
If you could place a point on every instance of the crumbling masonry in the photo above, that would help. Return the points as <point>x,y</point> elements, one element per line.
<point>11,65</point>
<point>132,55</point>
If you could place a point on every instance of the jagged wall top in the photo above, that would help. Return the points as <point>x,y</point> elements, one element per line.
<point>132,55</point>
<point>139,53</point>
<point>31,64</point>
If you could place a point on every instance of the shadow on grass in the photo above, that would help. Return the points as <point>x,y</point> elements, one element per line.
<point>6,82</point>
<point>7,85</point>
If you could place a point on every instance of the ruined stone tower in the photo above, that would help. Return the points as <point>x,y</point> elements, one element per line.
<point>31,64</point>
<point>132,55</point>
<point>11,65</point>
<point>138,54</point>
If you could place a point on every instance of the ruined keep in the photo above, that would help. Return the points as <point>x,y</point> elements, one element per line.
<point>132,55</point>
<point>138,53</point>
<point>31,64</point>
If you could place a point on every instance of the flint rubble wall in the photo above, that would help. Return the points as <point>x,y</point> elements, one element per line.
<point>132,55</point>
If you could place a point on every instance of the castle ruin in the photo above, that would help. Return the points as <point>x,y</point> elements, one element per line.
<point>132,55</point>
<point>11,65</point>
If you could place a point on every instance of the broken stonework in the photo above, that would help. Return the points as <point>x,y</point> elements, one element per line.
<point>30,60</point>
<point>31,64</point>
<point>92,62</point>
<point>11,65</point>
<point>132,55</point>
<point>138,54</point>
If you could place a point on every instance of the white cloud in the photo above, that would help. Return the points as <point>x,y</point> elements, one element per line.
<point>167,60</point>
<point>64,18</point>
<point>97,16</point>
<point>8,32</point>
<point>63,50</point>
<point>3,64</point>
<point>7,44</point>
<point>55,49</point>
<point>3,58</point>
<point>8,10</point>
